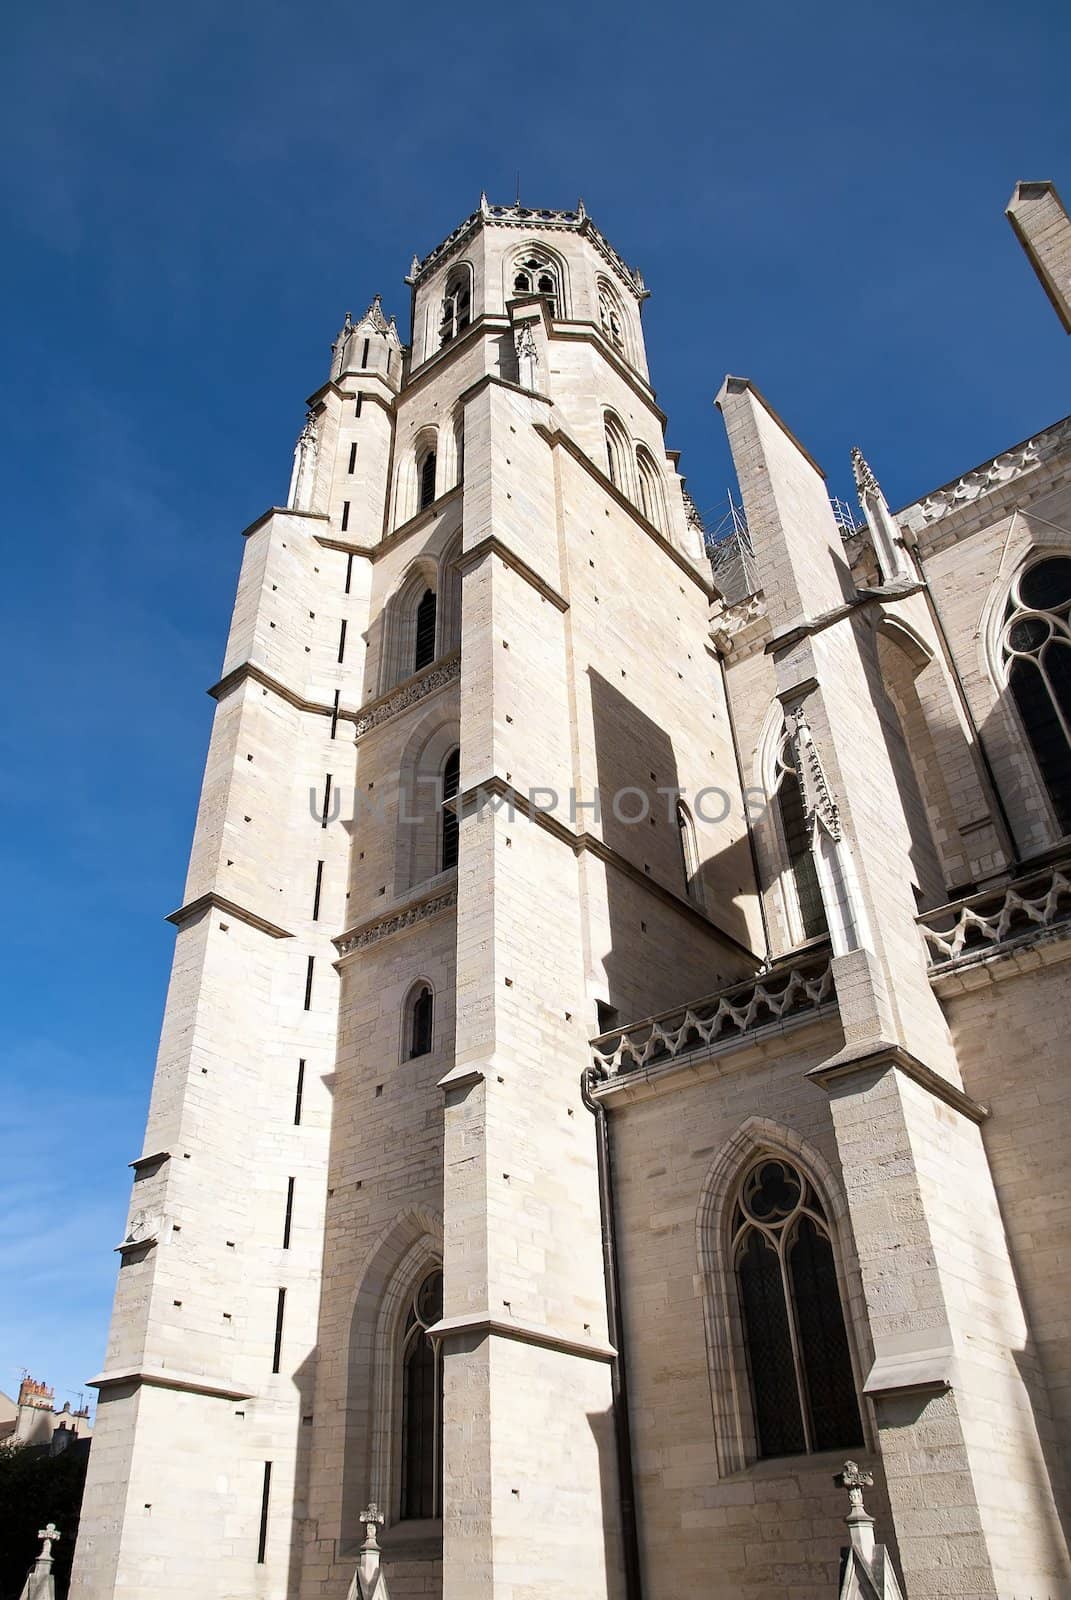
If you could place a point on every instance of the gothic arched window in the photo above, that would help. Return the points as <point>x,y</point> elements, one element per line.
<point>802,1387</point>
<point>1035,651</point>
<point>449,828</point>
<point>652,502</point>
<point>796,844</point>
<point>419,1015</point>
<point>533,276</point>
<point>426,471</point>
<point>457,304</point>
<point>617,454</point>
<point>422,1405</point>
<point>424,649</point>
<point>611,316</point>
<point>689,853</point>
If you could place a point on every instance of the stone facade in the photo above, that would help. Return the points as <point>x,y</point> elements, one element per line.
<point>501,958</point>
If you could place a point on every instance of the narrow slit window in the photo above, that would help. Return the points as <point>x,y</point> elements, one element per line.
<point>364,353</point>
<point>427,479</point>
<point>280,1311</point>
<point>308,983</point>
<point>299,1091</point>
<point>288,1219</point>
<point>265,1497</point>
<point>345,515</point>
<point>420,1023</point>
<point>449,828</point>
<point>353,457</point>
<point>349,571</point>
<point>424,650</point>
<point>316,891</point>
<point>342,640</point>
<point>325,813</point>
<point>358,403</point>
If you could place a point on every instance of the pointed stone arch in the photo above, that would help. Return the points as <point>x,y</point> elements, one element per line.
<point>406,1248</point>
<point>400,621</point>
<point>419,776</point>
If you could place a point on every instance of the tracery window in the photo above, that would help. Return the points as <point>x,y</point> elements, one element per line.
<point>422,1404</point>
<point>457,305</point>
<point>448,850</point>
<point>802,1387</point>
<point>610,315</point>
<point>533,276</point>
<point>424,649</point>
<point>1035,652</point>
<point>796,842</point>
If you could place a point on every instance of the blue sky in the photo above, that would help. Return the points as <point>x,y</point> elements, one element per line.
<point>194,195</point>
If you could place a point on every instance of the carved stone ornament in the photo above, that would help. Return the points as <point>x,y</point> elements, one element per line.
<point>383,927</point>
<point>408,695</point>
<point>992,474</point>
<point>818,802</point>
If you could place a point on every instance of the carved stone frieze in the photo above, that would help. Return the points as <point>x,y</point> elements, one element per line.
<point>407,694</point>
<point>410,916</point>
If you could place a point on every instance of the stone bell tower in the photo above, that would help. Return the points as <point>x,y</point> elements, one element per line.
<point>444,838</point>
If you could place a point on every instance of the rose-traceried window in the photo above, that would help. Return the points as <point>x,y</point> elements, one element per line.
<point>802,1387</point>
<point>1035,653</point>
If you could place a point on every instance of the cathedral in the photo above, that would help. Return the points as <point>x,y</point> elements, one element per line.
<point>607,1134</point>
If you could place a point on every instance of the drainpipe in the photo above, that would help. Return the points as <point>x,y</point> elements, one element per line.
<point>626,1490</point>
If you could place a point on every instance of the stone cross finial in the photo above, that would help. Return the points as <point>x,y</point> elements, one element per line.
<point>49,1533</point>
<point>853,1478</point>
<point>372,1518</point>
<point>860,1523</point>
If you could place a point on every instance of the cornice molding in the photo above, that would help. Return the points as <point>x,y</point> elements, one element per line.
<point>283,511</point>
<point>432,903</point>
<point>485,1323</point>
<point>216,902</point>
<point>561,441</point>
<point>493,545</point>
<point>500,788</point>
<point>163,1378</point>
<point>870,1059</point>
<point>408,693</point>
<point>414,524</point>
<point>248,670</point>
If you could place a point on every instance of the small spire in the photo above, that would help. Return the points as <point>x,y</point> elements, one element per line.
<point>885,536</point>
<point>581,208</point>
<point>865,481</point>
<point>414,269</point>
<point>485,204</point>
